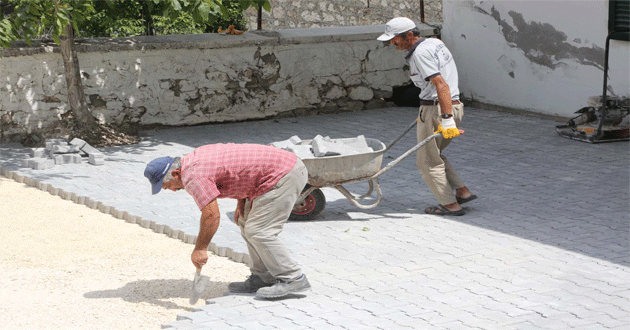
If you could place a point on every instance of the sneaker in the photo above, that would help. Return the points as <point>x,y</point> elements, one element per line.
<point>281,289</point>
<point>251,285</point>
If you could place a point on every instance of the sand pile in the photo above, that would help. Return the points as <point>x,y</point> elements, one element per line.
<point>66,266</point>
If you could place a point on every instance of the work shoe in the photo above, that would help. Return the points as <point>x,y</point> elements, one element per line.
<point>251,285</point>
<point>281,288</point>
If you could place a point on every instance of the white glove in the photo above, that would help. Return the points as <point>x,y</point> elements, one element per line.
<point>448,128</point>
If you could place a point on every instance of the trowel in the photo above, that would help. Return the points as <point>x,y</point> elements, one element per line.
<point>197,287</point>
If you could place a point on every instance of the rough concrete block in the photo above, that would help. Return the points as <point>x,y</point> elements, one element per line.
<point>71,158</point>
<point>58,159</point>
<point>124,215</point>
<point>42,163</point>
<point>247,259</point>
<point>18,178</point>
<point>77,142</point>
<point>104,208</point>
<point>50,143</point>
<point>65,149</point>
<point>71,196</point>
<point>302,151</point>
<point>145,223</point>
<point>214,249</point>
<point>79,199</point>
<point>52,190</point>
<point>238,257</point>
<point>320,146</point>
<point>190,239</point>
<point>158,229</point>
<point>330,147</point>
<point>167,231</point>
<point>65,195</point>
<point>90,203</point>
<point>88,149</point>
<point>286,144</point>
<point>229,253</point>
<point>175,233</point>
<point>96,158</point>
<point>42,186</point>
<point>118,214</point>
<point>38,152</point>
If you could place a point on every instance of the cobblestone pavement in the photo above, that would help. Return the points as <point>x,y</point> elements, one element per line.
<point>545,246</point>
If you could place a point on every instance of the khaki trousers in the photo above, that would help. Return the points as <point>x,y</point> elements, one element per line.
<point>263,221</point>
<point>436,171</point>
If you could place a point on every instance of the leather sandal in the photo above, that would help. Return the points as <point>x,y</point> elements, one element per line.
<point>461,200</point>
<point>441,210</point>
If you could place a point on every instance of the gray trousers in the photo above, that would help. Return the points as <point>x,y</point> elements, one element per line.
<point>262,222</point>
<point>435,169</point>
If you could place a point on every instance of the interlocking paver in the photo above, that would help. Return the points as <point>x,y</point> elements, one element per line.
<point>545,246</point>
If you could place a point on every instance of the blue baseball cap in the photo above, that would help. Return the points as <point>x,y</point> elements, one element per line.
<point>155,172</point>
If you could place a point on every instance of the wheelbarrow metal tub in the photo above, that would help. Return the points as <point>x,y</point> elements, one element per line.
<point>335,170</point>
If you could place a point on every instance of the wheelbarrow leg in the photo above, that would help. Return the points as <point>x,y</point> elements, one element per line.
<point>373,182</point>
<point>370,190</point>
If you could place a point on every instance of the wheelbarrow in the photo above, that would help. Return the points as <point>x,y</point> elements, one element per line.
<point>335,171</point>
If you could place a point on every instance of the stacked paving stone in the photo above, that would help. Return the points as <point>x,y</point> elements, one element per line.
<point>61,152</point>
<point>324,146</point>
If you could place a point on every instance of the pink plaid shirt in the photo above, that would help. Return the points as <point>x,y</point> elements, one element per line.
<point>234,171</point>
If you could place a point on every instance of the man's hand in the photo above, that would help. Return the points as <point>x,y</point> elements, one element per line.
<point>240,210</point>
<point>199,258</point>
<point>448,129</point>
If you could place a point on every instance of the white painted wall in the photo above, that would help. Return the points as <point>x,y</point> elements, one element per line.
<point>485,59</point>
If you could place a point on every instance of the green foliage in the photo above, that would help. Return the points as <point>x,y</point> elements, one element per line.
<point>32,19</point>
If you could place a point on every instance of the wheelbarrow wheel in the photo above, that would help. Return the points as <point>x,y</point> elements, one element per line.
<point>312,205</point>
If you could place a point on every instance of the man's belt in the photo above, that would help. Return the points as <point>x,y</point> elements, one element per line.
<point>435,102</point>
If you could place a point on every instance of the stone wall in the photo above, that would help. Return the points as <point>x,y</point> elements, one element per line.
<point>289,14</point>
<point>195,79</point>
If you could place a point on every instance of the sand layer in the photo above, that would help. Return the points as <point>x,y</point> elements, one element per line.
<point>66,266</point>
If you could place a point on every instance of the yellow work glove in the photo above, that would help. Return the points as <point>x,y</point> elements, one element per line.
<point>448,128</point>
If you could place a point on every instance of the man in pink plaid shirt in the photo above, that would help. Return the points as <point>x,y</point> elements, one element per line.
<point>266,181</point>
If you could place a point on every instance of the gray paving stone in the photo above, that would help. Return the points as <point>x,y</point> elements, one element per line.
<point>531,253</point>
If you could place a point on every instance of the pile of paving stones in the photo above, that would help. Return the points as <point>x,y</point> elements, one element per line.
<point>60,152</point>
<point>324,146</point>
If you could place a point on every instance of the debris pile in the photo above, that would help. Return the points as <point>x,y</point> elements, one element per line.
<point>324,146</point>
<point>60,151</point>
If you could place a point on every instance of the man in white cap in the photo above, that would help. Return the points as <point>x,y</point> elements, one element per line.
<point>432,68</point>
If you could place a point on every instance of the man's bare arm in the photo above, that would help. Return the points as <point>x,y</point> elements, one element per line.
<point>444,94</point>
<point>209,223</point>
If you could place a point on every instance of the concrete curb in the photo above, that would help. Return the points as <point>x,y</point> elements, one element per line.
<point>220,251</point>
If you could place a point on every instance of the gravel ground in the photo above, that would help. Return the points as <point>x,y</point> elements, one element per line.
<point>66,266</point>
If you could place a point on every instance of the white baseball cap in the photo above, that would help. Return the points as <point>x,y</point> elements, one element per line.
<point>395,27</point>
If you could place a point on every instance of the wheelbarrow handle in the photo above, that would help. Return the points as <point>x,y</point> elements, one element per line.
<point>415,122</point>
<point>403,156</point>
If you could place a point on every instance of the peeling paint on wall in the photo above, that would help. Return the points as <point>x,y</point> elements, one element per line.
<point>542,43</point>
